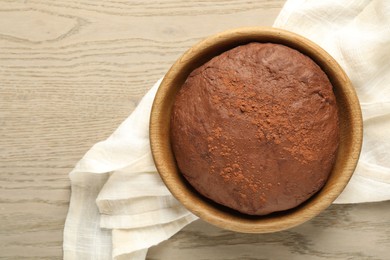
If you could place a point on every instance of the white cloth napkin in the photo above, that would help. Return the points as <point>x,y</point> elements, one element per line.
<point>119,206</point>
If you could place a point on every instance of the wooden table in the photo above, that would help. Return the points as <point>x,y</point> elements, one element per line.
<point>71,71</point>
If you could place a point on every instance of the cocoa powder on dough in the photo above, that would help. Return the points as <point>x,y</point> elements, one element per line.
<point>256,128</point>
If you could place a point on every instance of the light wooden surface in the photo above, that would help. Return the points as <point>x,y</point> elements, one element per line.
<point>342,232</point>
<point>71,71</point>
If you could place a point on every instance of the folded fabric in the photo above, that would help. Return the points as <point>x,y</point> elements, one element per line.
<point>120,207</point>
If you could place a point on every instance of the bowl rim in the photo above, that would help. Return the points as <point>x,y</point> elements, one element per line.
<point>159,141</point>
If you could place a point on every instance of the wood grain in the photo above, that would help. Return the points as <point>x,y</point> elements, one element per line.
<point>70,72</point>
<point>341,232</point>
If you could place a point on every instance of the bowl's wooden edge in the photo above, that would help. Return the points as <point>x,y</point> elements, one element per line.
<point>165,163</point>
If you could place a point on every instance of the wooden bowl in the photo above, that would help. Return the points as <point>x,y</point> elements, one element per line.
<point>348,151</point>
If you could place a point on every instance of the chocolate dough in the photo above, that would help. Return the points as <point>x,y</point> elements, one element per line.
<point>256,128</point>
